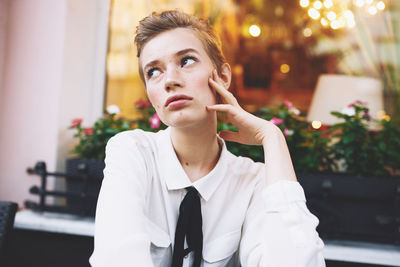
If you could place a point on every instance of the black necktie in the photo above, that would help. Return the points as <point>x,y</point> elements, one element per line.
<point>189,225</point>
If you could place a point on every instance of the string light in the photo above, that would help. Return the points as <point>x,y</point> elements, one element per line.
<point>348,14</point>
<point>338,14</point>
<point>335,24</point>
<point>316,124</point>
<point>328,3</point>
<point>285,68</point>
<point>304,3</point>
<point>313,13</point>
<point>317,4</point>
<point>324,22</point>
<point>359,3</point>
<point>254,30</point>
<point>331,15</point>
<point>351,24</point>
<point>372,10</point>
<point>307,32</point>
<point>380,5</point>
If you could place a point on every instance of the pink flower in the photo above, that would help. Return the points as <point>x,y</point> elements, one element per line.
<point>140,103</point>
<point>76,122</point>
<point>276,121</point>
<point>154,121</point>
<point>358,103</point>
<point>288,104</point>
<point>366,114</point>
<point>89,131</point>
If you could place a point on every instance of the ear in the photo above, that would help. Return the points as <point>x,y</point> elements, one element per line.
<point>226,75</point>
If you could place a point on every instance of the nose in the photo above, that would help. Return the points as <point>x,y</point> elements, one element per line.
<point>173,79</point>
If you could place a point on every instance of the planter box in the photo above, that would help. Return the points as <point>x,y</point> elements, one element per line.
<point>354,208</point>
<point>83,184</point>
<point>348,207</point>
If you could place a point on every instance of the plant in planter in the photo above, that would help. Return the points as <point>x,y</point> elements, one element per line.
<point>364,202</point>
<point>285,117</point>
<point>388,143</point>
<point>92,140</point>
<point>85,171</point>
<point>314,154</point>
<point>364,151</point>
<point>355,205</point>
<point>357,200</point>
<point>356,145</point>
<point>309,148</point>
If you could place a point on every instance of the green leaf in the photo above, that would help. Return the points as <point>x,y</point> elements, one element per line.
<point>348,138</point>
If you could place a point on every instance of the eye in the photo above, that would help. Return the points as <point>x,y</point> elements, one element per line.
<point>153,72</point>
<point>186,61</point>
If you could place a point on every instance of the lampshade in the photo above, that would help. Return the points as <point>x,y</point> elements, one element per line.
<point>334,92</point>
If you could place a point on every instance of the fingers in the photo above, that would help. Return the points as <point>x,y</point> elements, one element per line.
<point>216,77</point>
<point>216,82</point>
<point>221,108</point>
<point>218,87</point>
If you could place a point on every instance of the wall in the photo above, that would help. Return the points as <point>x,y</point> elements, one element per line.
<point>31,86</point>
<point>53,71</point>
<point>3,36</point>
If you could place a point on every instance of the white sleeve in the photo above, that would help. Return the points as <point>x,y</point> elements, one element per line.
<point>279,230</point>
<point>120,236</point>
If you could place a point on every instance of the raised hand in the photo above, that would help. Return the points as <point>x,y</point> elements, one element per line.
<point>252,130</point>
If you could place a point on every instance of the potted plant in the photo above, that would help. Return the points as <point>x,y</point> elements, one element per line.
<point>308,147</point>
<point>85,169</point>
<point>350,173</point>
<point>363,202</point>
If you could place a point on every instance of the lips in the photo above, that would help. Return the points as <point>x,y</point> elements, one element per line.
<point>174,98</point>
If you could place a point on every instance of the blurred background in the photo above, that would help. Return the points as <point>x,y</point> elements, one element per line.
<point>64,63</point>
<point>277,49</point>
<point>71,59</point>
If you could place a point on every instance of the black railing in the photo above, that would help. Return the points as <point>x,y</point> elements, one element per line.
<point>81,200</point>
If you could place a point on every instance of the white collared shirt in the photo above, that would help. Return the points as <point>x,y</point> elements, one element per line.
<point>245,222</point>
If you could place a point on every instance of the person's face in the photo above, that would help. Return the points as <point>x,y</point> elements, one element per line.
<point>176,70</point>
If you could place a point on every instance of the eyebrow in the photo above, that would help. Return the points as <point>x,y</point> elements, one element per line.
<point>179,53</point>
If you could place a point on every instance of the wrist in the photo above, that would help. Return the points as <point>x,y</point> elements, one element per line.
<point>271,133</point>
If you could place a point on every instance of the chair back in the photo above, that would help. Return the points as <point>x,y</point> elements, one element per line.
<point>7,215</point>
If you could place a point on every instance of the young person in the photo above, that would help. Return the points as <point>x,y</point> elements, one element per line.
<point>179,197</point>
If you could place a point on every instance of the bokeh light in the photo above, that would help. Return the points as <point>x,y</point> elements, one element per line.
<point>307,32</point>
<point>316,124</point>
<point>339,14</point>
<point>254,30</point>
<point>304,3</point>
<point>285,68</point>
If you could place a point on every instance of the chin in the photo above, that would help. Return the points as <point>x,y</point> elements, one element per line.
<point>183,119</point>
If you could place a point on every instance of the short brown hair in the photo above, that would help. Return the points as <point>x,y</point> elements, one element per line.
<point>157,23</point>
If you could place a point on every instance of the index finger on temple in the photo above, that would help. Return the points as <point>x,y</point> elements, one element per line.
<point>225,94</point>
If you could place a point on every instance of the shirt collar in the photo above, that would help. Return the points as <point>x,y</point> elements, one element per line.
<point>175,176</point>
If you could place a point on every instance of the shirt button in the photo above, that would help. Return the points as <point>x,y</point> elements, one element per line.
<point>186,256</point>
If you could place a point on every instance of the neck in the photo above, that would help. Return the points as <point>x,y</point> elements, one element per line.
<point>197,149</point>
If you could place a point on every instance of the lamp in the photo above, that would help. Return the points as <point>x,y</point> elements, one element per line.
<point>335,92</point>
